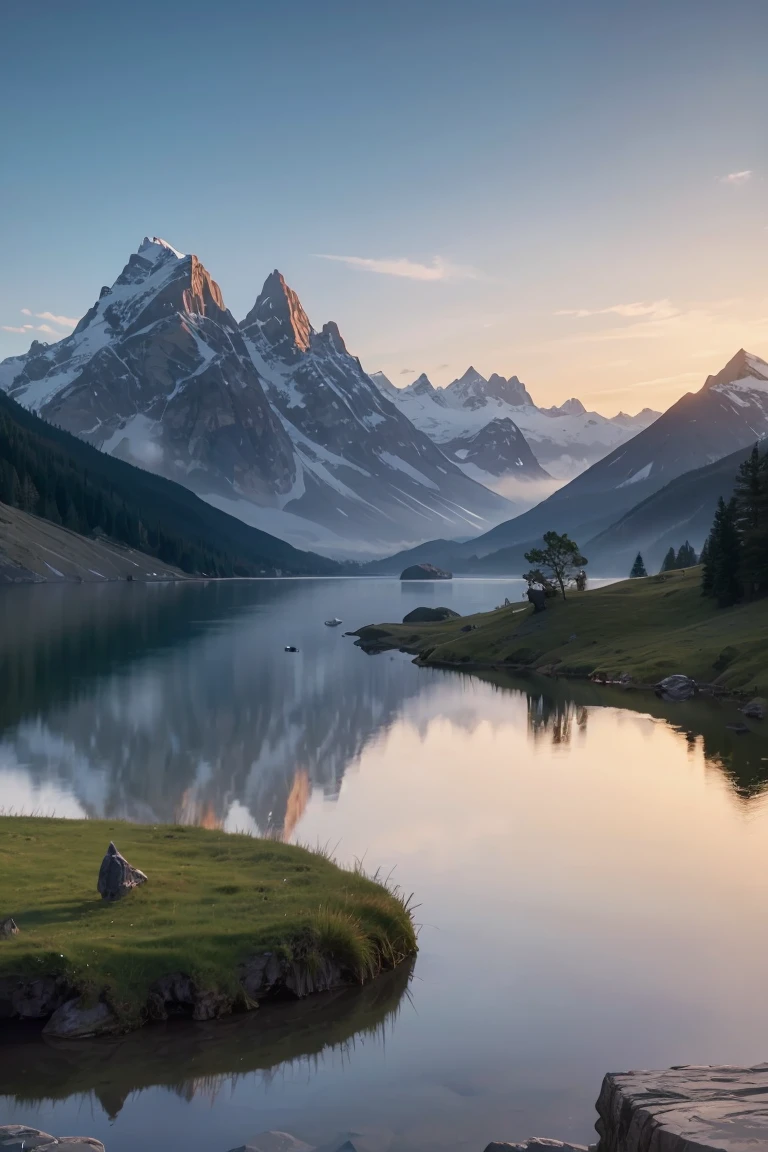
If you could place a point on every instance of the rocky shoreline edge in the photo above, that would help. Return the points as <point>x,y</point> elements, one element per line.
<point>718,1108</point>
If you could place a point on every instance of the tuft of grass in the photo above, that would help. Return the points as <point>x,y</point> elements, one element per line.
<point>648,628</point>
<point>212,900</point>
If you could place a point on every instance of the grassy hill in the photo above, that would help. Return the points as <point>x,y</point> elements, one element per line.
<point>648,628</point>
<point>48,472</point>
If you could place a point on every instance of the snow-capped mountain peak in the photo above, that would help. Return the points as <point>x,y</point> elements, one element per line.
<point>744,370</point>
<point>152,249</point>
<point>278,318</point>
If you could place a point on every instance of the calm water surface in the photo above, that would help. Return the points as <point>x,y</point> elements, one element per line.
<point>592,868</point>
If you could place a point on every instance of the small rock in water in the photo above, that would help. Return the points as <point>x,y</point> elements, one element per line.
<point>742,729</point>
<point>677,687</point>
<point>117,876</point>
<point>274,1142</point>
<point>9,928</point>
<point>73,1020</point>
<point>756,709</point>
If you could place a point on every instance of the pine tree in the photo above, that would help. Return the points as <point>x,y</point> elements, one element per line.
<point>669,561</point>
<point>638,568</point>
<point>751,495</point>
<point>707,576</point>
<point>686,556</point>
<point>722,572</point>
<point>29,494</point>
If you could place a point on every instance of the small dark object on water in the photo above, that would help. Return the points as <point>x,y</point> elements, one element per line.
<point>117,876</point>
<point>8,928</point>
<point>756,709</point>
<point>742,729</point>
<point>290,648</point>
<point>676,687</point>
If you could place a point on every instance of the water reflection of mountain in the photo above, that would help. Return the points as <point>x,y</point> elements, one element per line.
<point>183,706</point>
<point>558,710</point>
<point>197,1059</point>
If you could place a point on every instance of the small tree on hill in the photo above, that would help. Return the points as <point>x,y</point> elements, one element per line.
<point>686,557</point>
<point>638,568</point>
<point>721,575</point>
<point>751,495</point>
<point>669,561</point>
<point>560,559</point>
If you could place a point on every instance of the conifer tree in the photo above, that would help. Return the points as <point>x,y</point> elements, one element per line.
<point>686,556</point>
<point>722,571</point>
<point>638,568</point>
<point>751,496</point>
<point>669,561</point>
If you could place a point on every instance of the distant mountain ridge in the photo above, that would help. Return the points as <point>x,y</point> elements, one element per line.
<point>564,439</point>
<point>269,420</point>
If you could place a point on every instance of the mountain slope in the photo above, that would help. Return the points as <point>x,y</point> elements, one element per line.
<point>729,413</point>
<point>47,471</point>
<point>565,439</point>
<point>269,420</point>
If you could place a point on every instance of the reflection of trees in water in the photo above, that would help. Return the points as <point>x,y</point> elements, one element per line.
<point>205,715</point>
<point>198,1060</point>
<point>554,719</point>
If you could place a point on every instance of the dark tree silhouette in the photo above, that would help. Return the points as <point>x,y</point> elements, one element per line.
<point>560,559</point>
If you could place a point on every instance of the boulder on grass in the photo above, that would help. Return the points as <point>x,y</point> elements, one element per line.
<point>430,615</point>
<point>677,687</point>
<point>8,928</point>
<point>117,876</point>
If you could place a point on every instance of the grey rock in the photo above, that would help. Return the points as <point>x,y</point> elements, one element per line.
<point>537,1142</point>
<point>431,616</point>
<point>178,994</point>
<point>74,1020</point>
<point>756,709</point>
<point>685,1108</point>
<point>360,1140</point>
<point>274,1142</point>
<point>676,687</point>
<point>267,972</point>
<point>117,876</point>
<point>538,598</point>
<point>24,1139</point>
<point>8,928</point>
<point>32,998</point>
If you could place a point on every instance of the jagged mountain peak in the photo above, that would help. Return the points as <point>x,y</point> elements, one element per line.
<point>279,316</point>
<point>743,366</point>
<point>152,249</point>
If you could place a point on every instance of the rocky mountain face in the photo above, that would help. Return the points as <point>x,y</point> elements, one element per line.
<point>564,440</point>
<point>498,449</point>
<point>269,420</point>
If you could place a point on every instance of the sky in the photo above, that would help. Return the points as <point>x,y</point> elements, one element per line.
<point>572,191</point>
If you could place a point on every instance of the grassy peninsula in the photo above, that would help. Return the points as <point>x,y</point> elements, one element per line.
<point>212,900</point>
<point>648,628</point>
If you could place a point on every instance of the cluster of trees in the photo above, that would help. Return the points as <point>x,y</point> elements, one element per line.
<point>684,558</point>
<point>735,556</point>
<point>52,474</point>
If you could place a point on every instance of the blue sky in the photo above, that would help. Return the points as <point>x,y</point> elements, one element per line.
<point>571,191</point>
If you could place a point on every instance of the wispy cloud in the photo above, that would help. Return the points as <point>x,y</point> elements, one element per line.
<point>737,177</point>
<point>630,388</point>
<point>15,328</point>
<point>657,309</point>
<point>439,269</point>
<point>407,371</point>
<point>61,321</point>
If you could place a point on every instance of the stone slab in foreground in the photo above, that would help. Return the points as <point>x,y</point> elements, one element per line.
<point>19,1137</point>
<point>687,1109</point>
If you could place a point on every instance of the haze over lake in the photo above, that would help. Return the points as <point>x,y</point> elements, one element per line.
<point>591,867</point>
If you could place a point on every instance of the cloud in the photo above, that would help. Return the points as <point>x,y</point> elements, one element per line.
<point>47,329</point>
<point>62,321</point>
<point>657,309</point>
<point>26,312</point>
<point>407,371</point>
<point>442,366</point>
<point>439,269</point>
<point>629,388</point>
<point>737,178</point>
<point>11,328</point>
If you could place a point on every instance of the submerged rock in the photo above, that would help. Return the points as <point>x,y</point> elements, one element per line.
<point>425,572</point>
<point>537,1142</point>
<point>8,928</point>
<point>19,1136</point>
<point>430,615</point>
<point>756,709</point>
<point>274,1142</point>
<point>75,1020</point>
<point>117,876</point>
<point>676,687</point>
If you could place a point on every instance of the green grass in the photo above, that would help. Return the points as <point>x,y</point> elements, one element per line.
<point>648,628</point>
<point>211,901</point>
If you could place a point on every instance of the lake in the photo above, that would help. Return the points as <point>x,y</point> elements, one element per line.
<point>590,865</point>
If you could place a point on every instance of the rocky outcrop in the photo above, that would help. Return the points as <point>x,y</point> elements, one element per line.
<point>32,998</point>
<point>756,709</point>
<point>686,1109</point>
<point>21,1138</point>
<point>430,615</point>
<point>117,876</point>
<point>76,1019</point>
<point>537,1144</point>
<point>8,928</point>
<point>676,687</point>
<point>425,572</point>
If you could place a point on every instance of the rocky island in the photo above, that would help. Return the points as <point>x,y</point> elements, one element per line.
<point>425,572</point>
